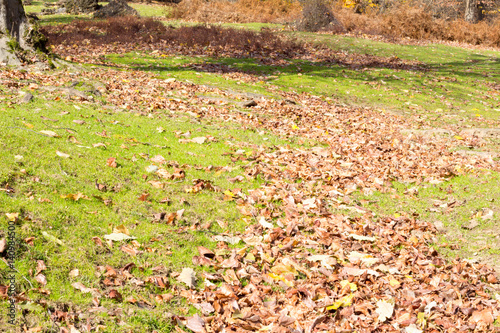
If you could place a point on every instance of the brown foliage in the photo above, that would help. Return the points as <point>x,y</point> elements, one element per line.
<point>418,23</point>
<point>127,29</point>
<point>201,39</point>
<point>240,11</point>
<point>74,40</point>
<point>397,21</point>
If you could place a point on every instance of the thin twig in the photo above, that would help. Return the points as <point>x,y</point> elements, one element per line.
<point>24,278</point>
<point>56,127</point>
<point>27,129</point>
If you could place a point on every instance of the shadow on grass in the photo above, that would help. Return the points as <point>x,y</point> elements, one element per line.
<point>449,80</point>
<point>60,19</point>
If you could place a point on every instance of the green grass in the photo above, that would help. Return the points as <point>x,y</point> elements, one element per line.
<point>144,10</point>
<point>150,10</point>
<point>37,6</point>
<point>41,181</point>
<point>454,203</point>
<point>180,68</point>
<point>453,91</point>
<point>456,88</point>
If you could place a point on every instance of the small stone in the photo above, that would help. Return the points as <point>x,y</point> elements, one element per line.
<point>72,92</point>
<point>115,8</point>
<point>28,97</point>
<point>471,225</point>
<point>439,226</point>
<point>248,104</point>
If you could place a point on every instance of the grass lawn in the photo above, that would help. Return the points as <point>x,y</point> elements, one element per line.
<point>51,183</point>
<point>74,171</point>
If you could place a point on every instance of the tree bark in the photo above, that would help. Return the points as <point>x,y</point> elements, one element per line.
<point>471,11</point>
<point>13,21</point>
<point>14,27</point>
<point>19,37</point>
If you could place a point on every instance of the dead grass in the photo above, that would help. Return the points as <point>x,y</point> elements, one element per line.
<point>398,21</point>
<point>241,11</point>
<point>207,40</point>
<point>418,23</point>
<point>127,32</point>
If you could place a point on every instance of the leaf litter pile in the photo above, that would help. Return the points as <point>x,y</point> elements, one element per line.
<point>312,260</point>
<point>91,41</point>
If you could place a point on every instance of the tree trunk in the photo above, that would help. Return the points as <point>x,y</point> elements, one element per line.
<point>14,29</point>
<point>19,36</point>
<point>471,11</point>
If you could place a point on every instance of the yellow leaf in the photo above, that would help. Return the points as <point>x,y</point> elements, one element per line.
<point>421,319</point>
<point>344,301</point>
<point>394,283</point>
<point>295,127</point>
<point>266,257</point>
<point>75,197</point>
<point>229,193</point>
<point>284,269</point>
<point>280,278</point>
<point>352,286</point>
<point>12,216</point>
<point>413,240</point>
<point>121,229</point>
<point>458,137</point>
<point>28,125</point>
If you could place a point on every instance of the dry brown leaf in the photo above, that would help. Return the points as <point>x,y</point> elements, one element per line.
<point>74,273</point>
<point>40,266</point>
<point>61,154</point>
<point>199,140</point>
<point>3,245</point>
<point>115,295</point>
<point>40,278</point>
<point>188,277</point>
<point>111,162</point>
<point>196,324</point>
<point>143,197</point>
<point>485,316</point>
<point>206,252</point>
<point>82,288</point>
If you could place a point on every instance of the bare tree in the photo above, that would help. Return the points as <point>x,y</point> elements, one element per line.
<point>471,11</point>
